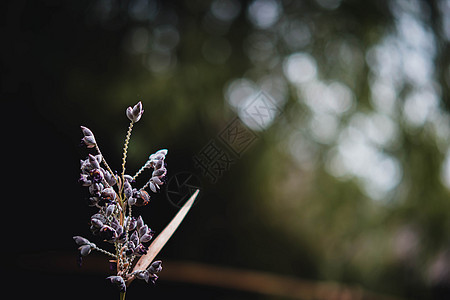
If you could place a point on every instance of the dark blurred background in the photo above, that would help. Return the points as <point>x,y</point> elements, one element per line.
<point>339,189</point>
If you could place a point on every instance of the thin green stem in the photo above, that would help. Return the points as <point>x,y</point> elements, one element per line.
<point>104,161</point>
<point>124,160</point>
<point>122,295</point>
<point>145,166</point>
<point>125,149</point>
<point>104,251</point>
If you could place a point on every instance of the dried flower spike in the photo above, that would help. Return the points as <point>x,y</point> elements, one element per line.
<point>114,196</point>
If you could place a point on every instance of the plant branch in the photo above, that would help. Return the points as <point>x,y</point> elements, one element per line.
<point>104,161</point>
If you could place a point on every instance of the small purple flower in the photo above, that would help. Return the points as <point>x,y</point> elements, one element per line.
<point>108,233</point>
<point>118,280</point>
<point>135,113</point>
<point>114,196</point>
<point>155,267</point>
<point>85,245</point>
<point>140,250</point>
<point>88,139</point>
<point>84,180</point>
<point>96,176</point>
<point>150,272</point>
<point>144,275</point>
<point>85,250</point>
<point>109,194</point>
<point>142,198</point>
<point>81,240</point>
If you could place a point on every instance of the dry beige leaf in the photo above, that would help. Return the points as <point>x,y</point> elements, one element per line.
<point>163,237</point>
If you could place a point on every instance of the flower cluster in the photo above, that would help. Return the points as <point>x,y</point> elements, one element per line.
<point>114,196</point>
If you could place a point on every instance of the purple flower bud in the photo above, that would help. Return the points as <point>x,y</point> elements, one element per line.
<point>88,139</point>
<point>97,223</point>
<point>93,201</point>
<point>156,180</point>
<point>127,190</point>
<point>160,172</point>
<point>128,178</point>
<point>108,233</point>
<point>85,250</point>
<point>96,176</point>
<point>109,210</point>
<point>139,222</point>
<point>154,183</point>
<point>131,201</point>
<point>142,198</point>
<point>109,178</point>
<point>131,223</point>
<point>144,275</point>
<point>134,238</point>
<point>84,180</point>
<point>155,267</point>
<point>159,164</point>
<point>95,189</point>
<point>140,250</point>
<point>143,230</point>
<point>152,187</point>
<point>158,155</point>
<point>99,217</point>
<point>86,131</point>
<point>135,113</point>
<point>162,151</point>
<point>153,278</point>
<point>118,280</point>
<point>129,248</point>
<point>93,161</point>
<point>81,240</point>
<point>119,230</point>
<point>109,194</point>
<point>146,237</point>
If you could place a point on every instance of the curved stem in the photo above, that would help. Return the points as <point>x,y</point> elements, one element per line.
<point>124,160</point>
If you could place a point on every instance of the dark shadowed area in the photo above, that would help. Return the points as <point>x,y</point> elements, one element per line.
<point>318,132</point>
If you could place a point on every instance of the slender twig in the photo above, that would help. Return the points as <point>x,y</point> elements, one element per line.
<point>125,149</point>
<point>145,166</point>
<point>104,161</point>
<point>104,251</point>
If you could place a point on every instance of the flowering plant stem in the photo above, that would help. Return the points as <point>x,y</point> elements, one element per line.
<point>122,295</point>
<point>125,148</point>
<point>112,194</point>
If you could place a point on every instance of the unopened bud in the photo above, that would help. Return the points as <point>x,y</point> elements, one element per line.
<point>135,113</point>
<point>88,139</point>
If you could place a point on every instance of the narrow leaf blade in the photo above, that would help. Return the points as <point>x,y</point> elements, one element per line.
<point>163,237</point>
